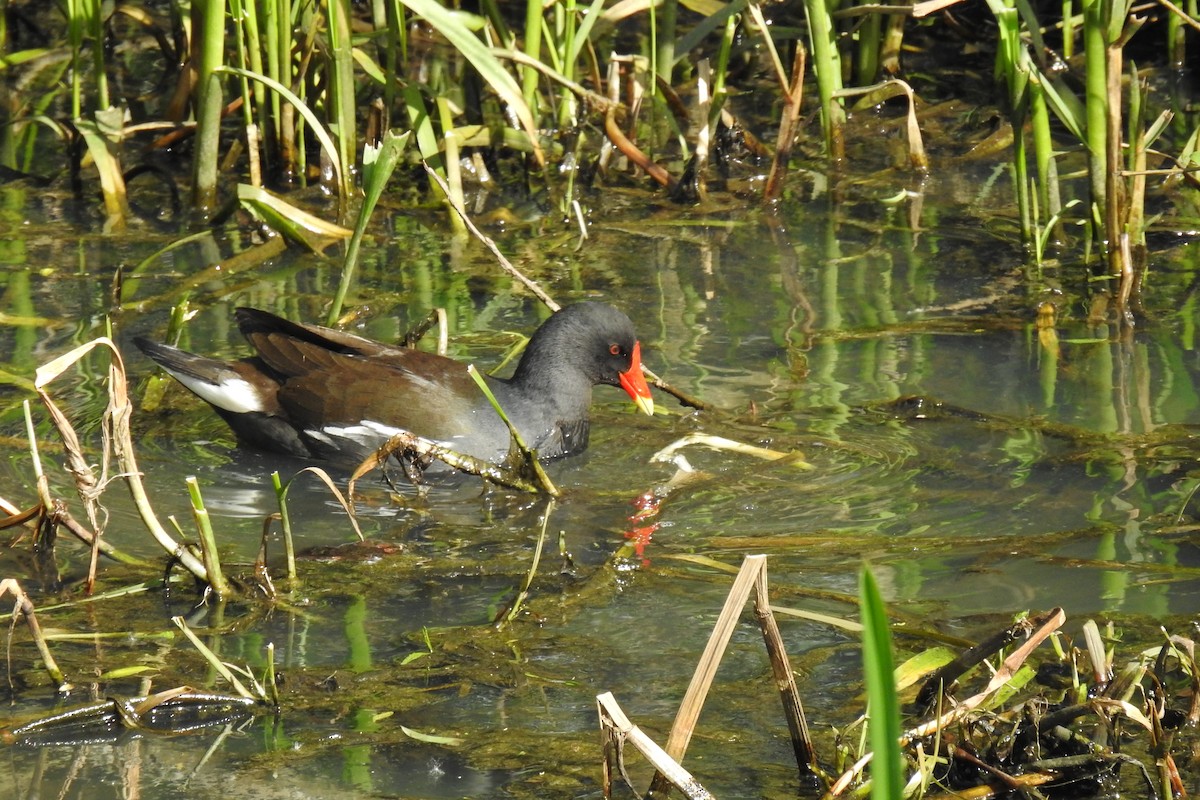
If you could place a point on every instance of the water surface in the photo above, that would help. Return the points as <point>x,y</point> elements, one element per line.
<point>1024,479</point>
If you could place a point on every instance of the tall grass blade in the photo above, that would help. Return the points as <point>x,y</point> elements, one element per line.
<point>533,49</point>
<point>489,67</point>
<point>379,161</point>
<point>341,113</point>
<point>887,764</point>
<point>327,143</point>
<point>103,138</point>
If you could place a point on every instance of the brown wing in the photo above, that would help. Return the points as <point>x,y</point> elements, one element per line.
<point>419,392</point>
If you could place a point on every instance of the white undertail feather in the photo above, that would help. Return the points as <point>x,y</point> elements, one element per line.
<point>230,393</point>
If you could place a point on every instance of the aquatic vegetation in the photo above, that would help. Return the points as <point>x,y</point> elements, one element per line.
<point>1049,728</point>
<point>522,97</point>
<point>550,116</point>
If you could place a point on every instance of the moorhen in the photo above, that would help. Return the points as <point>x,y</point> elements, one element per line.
<point>315,392</point>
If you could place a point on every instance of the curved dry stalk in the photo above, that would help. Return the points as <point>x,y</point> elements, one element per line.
<point>592,99</point>
<point>24,607</point>
<point>118,437</point>
<point>917,157</point>
<point>633,152</point>
<point>669,453</point>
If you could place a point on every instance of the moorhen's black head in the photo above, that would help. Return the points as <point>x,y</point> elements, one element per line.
<point>588,343</point>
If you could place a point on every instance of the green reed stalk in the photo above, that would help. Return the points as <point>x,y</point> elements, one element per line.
<point>583,34</point>
<point>283,68</point>
<point>1096,99</point>
<point>85,20</point>
<point>208,31</point>
<point>397,51</point>
<point>297,106</point>
<point>574,31</point>
<point>77,23</point>
<point>97,20</point>
<point>1069,23</point>
<point>1011,67</point>
<point>254,94</point>
<point>453,164</point>
<point>1177,34</point>
<point>285,524</point>
<point>666,13</point>
<point>887,761</point>
<point>827,65</point>
<point>270,681</point>
<point>1048,192</point>
<point>208,541</point>
<point>566,98</point>
<point>240,11</point>
<point>491,10</point>
<point>1140,140</point>
<point>866,61</point>
<point>8,140</point>
<point>533,49</point>
<point>1136,160</point>
<point>721,70</point>
<point>274,15</point>
<point>341,111</point>
<point>1021,181</point>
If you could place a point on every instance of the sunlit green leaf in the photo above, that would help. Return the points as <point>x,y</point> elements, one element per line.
<point>294,223</point>
<point>459,34</point>
<point>452,741</point>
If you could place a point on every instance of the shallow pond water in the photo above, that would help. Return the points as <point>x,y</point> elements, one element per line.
<point>1019,478</point>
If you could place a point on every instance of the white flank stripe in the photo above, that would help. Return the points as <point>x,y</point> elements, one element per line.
<point>367,433</point>
<point>383,430</point>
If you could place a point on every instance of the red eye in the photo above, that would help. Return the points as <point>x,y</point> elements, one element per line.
<point>615,349</point>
